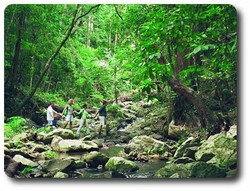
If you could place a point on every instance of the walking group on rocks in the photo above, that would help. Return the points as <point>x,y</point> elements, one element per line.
<point>69,113</point>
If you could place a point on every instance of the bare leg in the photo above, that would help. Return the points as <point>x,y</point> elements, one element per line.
<point>79,128</point>
<point>107,129</point>
<point>87,126</point>
<point>107,126</point>
<point>65,124</point>
<point>70,124</point>
<point>100,129</point>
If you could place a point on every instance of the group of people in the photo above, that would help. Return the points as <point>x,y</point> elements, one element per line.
<point>69,114</point>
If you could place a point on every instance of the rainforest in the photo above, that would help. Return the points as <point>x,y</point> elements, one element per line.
<point>166,75</point>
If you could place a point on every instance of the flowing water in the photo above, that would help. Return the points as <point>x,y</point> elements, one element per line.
<point>146,169</point>
<point>111,148</point>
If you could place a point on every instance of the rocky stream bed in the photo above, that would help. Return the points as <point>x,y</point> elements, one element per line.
<point>139,146</point>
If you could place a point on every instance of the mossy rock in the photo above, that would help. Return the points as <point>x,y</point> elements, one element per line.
<point>57,165</point>
<point>219,149</point>
<point>61,175</point>
<point>191,170</point>
<point>122,165</point>
<point>95,158</point>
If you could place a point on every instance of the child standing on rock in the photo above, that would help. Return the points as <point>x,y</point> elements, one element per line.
<point>85,116</point>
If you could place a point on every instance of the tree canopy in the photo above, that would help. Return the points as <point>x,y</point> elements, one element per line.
<point>184,54</point>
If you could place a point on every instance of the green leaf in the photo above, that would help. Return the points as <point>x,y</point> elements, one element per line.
<point>197,49</point>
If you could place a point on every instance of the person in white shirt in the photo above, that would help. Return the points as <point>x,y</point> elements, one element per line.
<point>50,113</point>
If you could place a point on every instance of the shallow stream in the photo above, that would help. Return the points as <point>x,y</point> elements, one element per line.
<point>146,169</point>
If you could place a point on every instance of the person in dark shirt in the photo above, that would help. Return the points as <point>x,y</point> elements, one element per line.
<point>103,117</point>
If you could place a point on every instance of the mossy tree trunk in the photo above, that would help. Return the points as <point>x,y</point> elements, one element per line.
<point>207,118</point>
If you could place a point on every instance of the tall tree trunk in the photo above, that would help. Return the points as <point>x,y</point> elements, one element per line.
<point>206,116</point>
<point>115,70</point>
<point>90,29</point>
<point>49,62</point>
<point>110,37</point>
<point>15,61</point>
<point>32,71</point>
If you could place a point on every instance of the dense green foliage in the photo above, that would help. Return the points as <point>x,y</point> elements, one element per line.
<point>14,126</point>
<point>122,50</point>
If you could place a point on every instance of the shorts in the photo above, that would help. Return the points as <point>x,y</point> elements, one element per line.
<point>54,122</point>
<point>103,120</point>
<point>49,122</point>
<point>69,118</point>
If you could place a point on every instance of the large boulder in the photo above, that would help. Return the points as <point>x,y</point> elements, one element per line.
<point>206,170</point>
<point>176,131</point>
<point>69,145</point>
<point>145,147</point>
<point>10,166</point>
<point>24,161</point>
<point>94,159</point>
<point>25,152</point>
<point>188,148</point>
<point>61,175</point>
<point>232,132</point>
<point>48,137</point>
<point>28,135</point>
<point>173,170</point>
<point>190,170</point>
<point>63,133</point>
<point>57,165</point>
<point>122,165</point>
<point>20,137</point>
<point>219,149</point>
